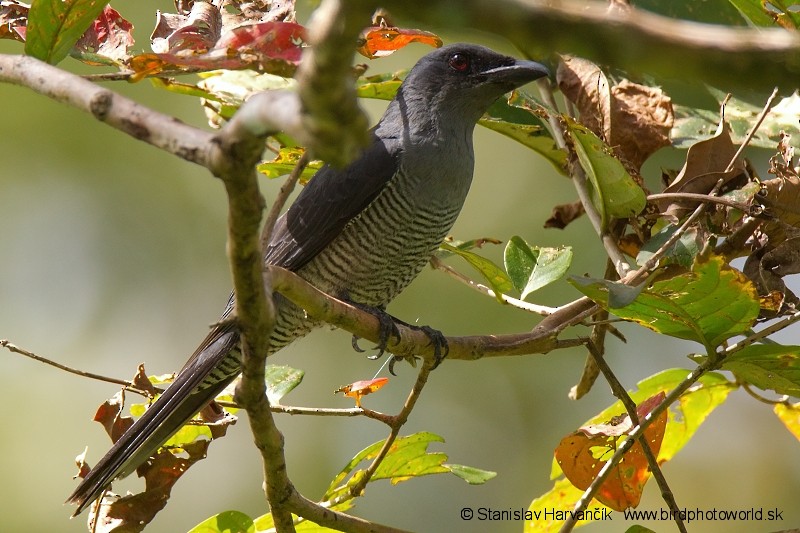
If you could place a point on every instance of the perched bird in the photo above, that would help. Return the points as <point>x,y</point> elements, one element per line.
<point>362,232</point>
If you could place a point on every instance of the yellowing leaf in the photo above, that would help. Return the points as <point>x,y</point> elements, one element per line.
<point>709,304</point>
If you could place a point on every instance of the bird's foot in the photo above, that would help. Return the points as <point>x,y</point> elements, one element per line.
<point>389,329</point>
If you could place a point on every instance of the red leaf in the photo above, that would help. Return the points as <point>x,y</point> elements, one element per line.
<point>362,388</point>
<point>108,36</point>
<point>585,452</point>
<point>380,41</point>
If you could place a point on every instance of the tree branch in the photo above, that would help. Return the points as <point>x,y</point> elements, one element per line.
<point>138,121</point>
<point>628,39</point>
<point>542,339</point>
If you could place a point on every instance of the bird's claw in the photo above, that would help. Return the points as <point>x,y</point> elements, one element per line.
<point>387,329</point>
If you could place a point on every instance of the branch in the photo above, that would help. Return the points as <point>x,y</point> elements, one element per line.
<point>138,121</point>
<point>331,114</point>
<point>413,341</point>
<point>628,39</point>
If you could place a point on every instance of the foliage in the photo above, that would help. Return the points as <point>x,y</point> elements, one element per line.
<point>680,244</point>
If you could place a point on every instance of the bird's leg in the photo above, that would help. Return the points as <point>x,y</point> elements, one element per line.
<point>388,329</point>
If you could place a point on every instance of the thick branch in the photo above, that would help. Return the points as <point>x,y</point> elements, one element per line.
<point>331,114</point>
<point>413,341</point>
<point>138,121</point>
<point>631,39</point>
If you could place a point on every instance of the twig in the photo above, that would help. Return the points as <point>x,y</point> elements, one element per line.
<point>580,183</point>
<point>413,341</point>
<point>438,264</point>
<point>4,343</point>
<point>281,199</point>
<point>630,406</point>
<point>753,130</point>
<point>638,431</point>
<point>700,198</point>
<point>140,122</point>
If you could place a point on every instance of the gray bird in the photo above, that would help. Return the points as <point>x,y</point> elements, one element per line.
<point>362,232</point>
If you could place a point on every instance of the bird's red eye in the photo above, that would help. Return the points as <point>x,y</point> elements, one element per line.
<point>459,62</point>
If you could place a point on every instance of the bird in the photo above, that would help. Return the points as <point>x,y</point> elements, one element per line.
<point>362,232</point>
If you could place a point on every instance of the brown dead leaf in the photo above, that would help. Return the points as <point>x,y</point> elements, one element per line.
<point>705,165</point>
<point>109,414</point>
<point>635,120</point>
<point>563,214</point>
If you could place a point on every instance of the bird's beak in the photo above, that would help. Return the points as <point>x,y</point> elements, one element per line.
<point>520,73</point>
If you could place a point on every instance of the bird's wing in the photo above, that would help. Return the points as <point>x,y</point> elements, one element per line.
<point>325,206</point>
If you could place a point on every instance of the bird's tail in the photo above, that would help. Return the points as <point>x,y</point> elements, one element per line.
<point>214,365</point>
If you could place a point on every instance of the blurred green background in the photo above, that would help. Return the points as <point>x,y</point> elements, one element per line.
<point>113,254</point>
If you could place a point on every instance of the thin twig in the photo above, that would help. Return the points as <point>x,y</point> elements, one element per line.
<point>630,406</point>
<point>700,198</point>
<point>753,130</point>
<point>399,421</point>
<point>281,199</point>
<point>4,343</point>
<point>580,183</point>
<point>543,310</point>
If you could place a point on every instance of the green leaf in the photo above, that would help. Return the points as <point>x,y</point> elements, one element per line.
<point>408,458</point>
<point>280,380</point>
<point>683,252</point>
<point>709,304</point>
<point>685,417</point>
<point>470,474</point>
<point>498,280</point>
<point>380,86</point>
<point>285,162</point>
<point>516,119</point>
<point>54,26</point>
<point>530,267</point>
<point>768,366</point>
<point>615,194</point>
<point>693,124</point>
<point>226,522</point>
<point>754,12</point>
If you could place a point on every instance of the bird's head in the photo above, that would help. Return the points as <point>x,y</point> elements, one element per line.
<point>467,78</point>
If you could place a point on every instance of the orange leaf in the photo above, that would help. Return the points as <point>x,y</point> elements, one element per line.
<point>585,452</point>
<point>381,41</point>
<point>358,389</point>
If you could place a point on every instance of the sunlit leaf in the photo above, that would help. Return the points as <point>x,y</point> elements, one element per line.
<point>582,454</point>
<point>54,26</point>
<point>709,304</point>
<point>768,366</point>
<point>547,513</point>
<point>615,194</point>
<point>685,416</point>
<point>285,162</point>
<point>532,267</point>
<point>407,458</point>
<point>790,416</point>
<point>226,522</point>
<point>694,124</point>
